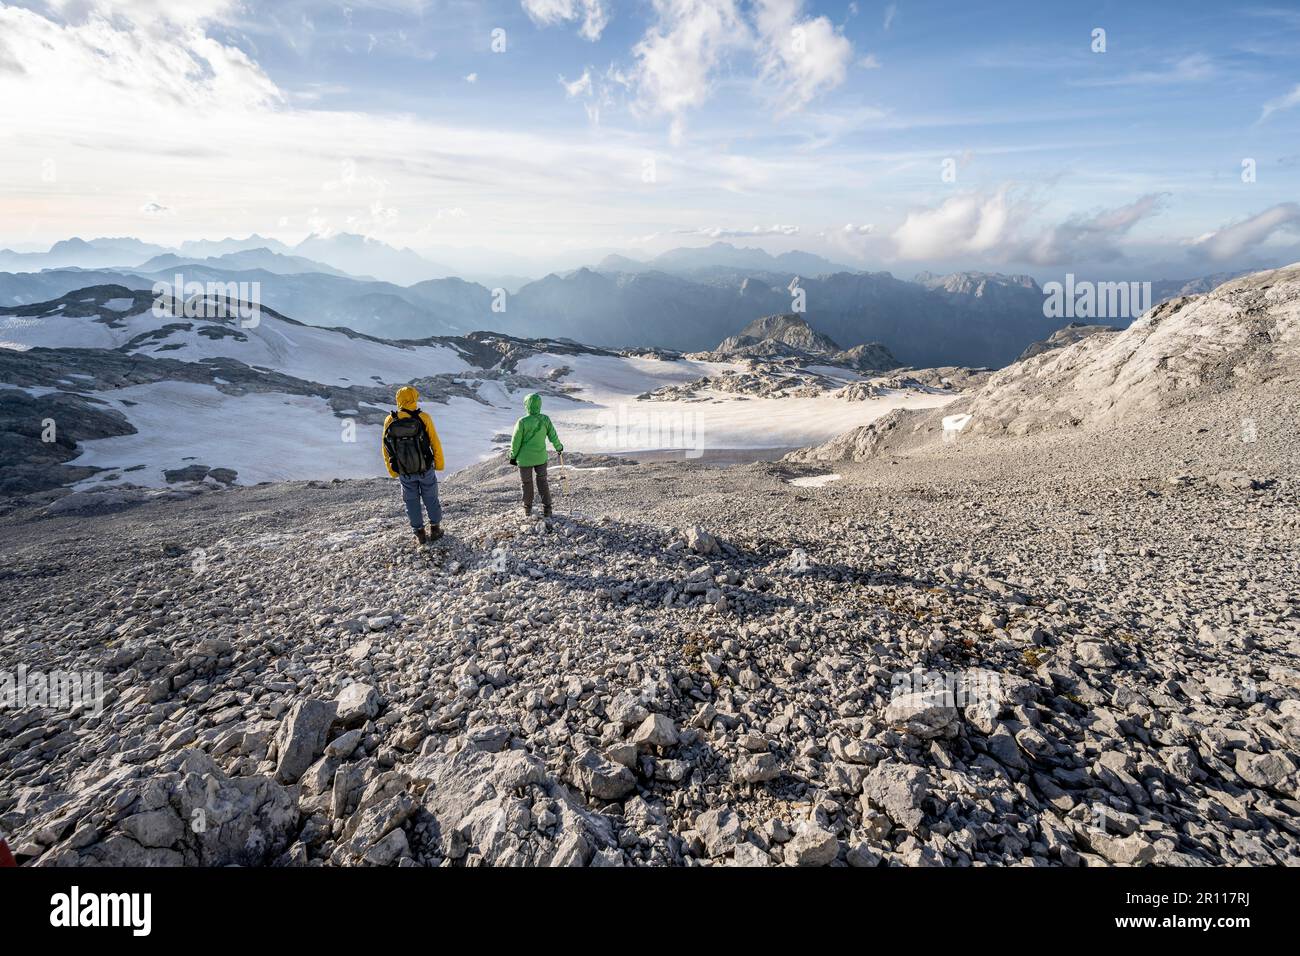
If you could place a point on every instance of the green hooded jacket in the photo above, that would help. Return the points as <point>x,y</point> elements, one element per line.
<point>528,447</point>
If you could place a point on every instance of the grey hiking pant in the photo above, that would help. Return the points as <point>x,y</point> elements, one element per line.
<point>544,486</point>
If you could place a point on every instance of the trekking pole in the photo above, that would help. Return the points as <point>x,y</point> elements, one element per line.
<point>564,479</point>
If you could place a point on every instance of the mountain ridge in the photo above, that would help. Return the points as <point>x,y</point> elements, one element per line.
<point>963,318</point>
<point>1186,352</point>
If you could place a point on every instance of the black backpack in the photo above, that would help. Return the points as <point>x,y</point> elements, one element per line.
<point>408,444</point>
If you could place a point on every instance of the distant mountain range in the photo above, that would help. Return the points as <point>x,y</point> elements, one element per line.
<point>683,299</point>
<point>723,256</point>
<point>205,248</point>
<point>242,261</point>
<point>920,326</point>
<point>341,253</point>
<point>81,254</point>
<point>364,256</point>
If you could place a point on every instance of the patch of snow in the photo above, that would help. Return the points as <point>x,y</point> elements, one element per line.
<point>610,375</point>
<point>814,481</point>
<point>35,391</point>
<point>183,422</point>
<point>955,423</point>
<point>307,352</point>
<point>610,420</point>
<point>180,423</point>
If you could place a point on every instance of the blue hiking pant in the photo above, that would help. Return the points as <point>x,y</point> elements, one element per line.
<point>418,488</point>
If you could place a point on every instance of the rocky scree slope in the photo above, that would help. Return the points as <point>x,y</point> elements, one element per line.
<point>284,667</point>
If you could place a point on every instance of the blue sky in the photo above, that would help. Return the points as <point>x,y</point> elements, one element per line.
<point>895,136</point>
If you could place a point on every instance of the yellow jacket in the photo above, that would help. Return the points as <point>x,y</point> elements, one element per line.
<point>438,463</point>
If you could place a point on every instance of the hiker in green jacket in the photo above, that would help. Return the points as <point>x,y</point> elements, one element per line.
<point>528,451</point>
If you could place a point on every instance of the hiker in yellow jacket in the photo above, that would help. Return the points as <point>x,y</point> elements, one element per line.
<point>413,455</point>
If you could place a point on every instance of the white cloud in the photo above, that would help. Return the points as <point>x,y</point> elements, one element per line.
<point>154,208</point>
<point>803,57</point>
<point>960,225</point>
<point>320,225</point>
<point>152,15</point>
<point>720,232</point>
<point>1243,236</point>
<point>593,13</point>
<point>997,226</point>
<point>471,78</point>
<point>1188,69</point>
<point>210,132</point>
<point>380,216</point>
<point>1284,102</point>
<point>578,87</point>
<point>1094,237</point>
<point>891,11</point>
<point>8,60</point>
<point>212,139</point>
<point>678,55</point>
<point>865,229</point>
<point>104,64</point>
<point>597,92</point>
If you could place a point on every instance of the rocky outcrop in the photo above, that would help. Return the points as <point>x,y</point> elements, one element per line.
<point>1074,332</point>
<point>1246,331</point>
<point>185,812</point>
<point>869,357</point>
<point>789,336</point>
<point>504,809</point>
<point>789,330</point>
<point>39,435</point>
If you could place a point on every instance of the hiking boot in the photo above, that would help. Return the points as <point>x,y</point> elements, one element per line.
<point>546,512</point>
<point>435,532</point>
<point>420,536</point>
